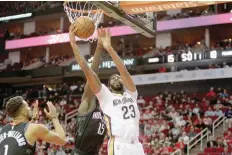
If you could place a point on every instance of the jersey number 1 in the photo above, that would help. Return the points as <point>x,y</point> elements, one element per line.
<point>129,112</point>
<point>6,149</point>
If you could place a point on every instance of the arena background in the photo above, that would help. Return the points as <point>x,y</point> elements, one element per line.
<point>183,74</point>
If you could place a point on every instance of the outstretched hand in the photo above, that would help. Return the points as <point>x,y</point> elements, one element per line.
<point>35,112</point>
<point>72,30</point>
<point>52,114</point>
<point>104,36</point>
<point>99,41</point>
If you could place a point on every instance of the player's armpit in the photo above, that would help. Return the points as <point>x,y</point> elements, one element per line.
<point>86,106</point>
<point>42,133</point>
<point>104,97</point>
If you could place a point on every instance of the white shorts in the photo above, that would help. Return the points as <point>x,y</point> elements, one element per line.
<point>122,147</point>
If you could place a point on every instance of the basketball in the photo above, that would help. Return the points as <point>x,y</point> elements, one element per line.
<point>85,27</point>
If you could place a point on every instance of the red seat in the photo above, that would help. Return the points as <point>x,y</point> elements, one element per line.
<point>202,153</point>
<point>208,150</point>
<point>219,150</point>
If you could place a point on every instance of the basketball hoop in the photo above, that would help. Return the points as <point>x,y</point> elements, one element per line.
<point>75,9</point>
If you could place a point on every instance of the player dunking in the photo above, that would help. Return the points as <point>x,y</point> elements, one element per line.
<point>118,103</point>
<point>91,128</point>
<point>19,138</point>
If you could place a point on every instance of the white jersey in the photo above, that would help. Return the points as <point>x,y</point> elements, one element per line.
<point>121,113</point>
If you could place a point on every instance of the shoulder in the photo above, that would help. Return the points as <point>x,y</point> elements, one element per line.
<point>104,93</point>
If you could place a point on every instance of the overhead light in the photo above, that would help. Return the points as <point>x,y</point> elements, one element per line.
<point>13,17</point>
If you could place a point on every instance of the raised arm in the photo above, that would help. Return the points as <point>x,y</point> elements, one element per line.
<point>90,75</point>
<point>88,97</point>
<point>42,133</point>
<point>39,131</point>
<point>125,75</point>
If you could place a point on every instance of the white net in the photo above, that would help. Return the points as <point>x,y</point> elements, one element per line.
<point>75,9</point>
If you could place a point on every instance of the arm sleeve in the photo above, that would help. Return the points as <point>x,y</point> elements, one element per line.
<point>104,97</point>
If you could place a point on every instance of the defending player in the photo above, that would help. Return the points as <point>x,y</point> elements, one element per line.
<point>90,129</point>
<point>119,105</point>
<point>19,138</point>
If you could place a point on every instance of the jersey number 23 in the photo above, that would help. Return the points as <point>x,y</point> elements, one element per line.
<point>128,112</point>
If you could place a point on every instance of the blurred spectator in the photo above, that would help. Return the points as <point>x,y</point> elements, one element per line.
<point>162,69</point>
<point>184,138</point>
<point>220,142</point>
<point>218,112</point>
<point>224,94</point>
<point>226,151</point>
<point>228,115</point>
<point>148,130</point>
<point>211,93</point>
<point>209,112</point>
<point>196,110</point>
<point>211,142</point>
<point>147,115</point>
<point>192,133</point>
<point>141,102</point>
<point>60,151</point>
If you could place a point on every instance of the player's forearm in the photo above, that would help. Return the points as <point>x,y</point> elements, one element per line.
<point>97,59</point>
<point>88,93</point>
<point>118,62</point>
<point>58,128</point>
<point>80,59</point>
<point>125,75</point>
<point>91,77</point>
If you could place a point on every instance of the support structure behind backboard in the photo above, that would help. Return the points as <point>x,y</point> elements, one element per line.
<point>143,23</point>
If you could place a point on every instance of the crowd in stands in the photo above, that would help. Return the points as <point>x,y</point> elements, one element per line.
<point>182,48</point>
<point>18,7</point>
<point>11,35</point>
<point>28,64</point>
<point>21,7</point>
<point>169,121</point>
<point>222,145</point>
<point>126,50</point>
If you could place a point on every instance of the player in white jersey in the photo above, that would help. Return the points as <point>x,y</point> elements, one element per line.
<point>118,102</point>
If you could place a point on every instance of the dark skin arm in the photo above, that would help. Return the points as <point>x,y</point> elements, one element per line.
<point>88,97</point>
<point>92,78</point>
<point>105,37</point>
